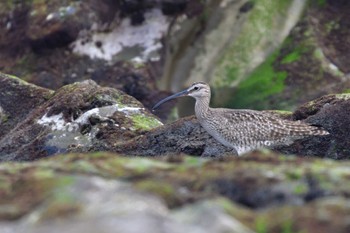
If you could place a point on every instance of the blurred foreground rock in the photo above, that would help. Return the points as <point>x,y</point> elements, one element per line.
<point>261,192</point>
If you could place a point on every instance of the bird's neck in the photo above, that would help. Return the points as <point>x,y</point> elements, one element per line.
<point>202,107</point>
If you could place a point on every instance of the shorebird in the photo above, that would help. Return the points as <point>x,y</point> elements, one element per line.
<point>241,129</point>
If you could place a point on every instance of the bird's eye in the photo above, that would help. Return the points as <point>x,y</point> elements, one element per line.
<point>195,88</point>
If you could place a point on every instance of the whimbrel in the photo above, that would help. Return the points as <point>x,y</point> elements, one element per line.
<point>241,129</point>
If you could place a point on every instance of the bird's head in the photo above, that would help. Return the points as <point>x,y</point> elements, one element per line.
<point>197,90</point>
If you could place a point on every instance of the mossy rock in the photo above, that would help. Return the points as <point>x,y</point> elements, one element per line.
<point>77,117</point>
<point>252,190</point>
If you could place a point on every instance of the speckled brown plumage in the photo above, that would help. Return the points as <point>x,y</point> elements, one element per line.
<point>244,130</point>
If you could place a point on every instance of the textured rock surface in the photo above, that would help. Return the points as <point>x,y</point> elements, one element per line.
<point>78,117</point>
<point>17,100</point>
<point>332,113</point>
<point>183,136</point>
<point>261,192</point>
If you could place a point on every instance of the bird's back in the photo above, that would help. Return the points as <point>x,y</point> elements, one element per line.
<point>246,130</point>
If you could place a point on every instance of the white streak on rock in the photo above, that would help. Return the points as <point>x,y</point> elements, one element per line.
<point>58,123</point>
<point>140,41</point>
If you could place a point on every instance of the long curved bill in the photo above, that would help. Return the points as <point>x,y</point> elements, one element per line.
<point>179,94</point>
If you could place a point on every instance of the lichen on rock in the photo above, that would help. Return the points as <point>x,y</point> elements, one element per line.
<point>79,117</point>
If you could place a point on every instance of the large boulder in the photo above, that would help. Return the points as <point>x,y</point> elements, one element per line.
<point>80,117</point>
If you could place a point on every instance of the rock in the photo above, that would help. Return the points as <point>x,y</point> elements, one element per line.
<point>183,136</point>
<point>17,100</point>
<point>309,64</point>
<point>77,117</point>
<point>227,43</point>
<point>331,112</point>
<point>249,68</point>
<point>50,43</point>
<point>260,191</point>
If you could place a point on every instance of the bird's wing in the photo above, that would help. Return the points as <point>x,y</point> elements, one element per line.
<point>263,126</point>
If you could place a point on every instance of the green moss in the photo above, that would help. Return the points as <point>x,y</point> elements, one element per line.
<point>159,187</point>
<point>145,122</point>
<point>300,189</point>
<point>287,227</point>
<point>320,3</point>
<point>141,165</point>
<point>261,225</point>
<point>291,57</point>
<point>264,82</point>
<point>294,175</point>
<point>260,25</point>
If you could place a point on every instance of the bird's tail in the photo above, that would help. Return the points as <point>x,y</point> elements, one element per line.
<point>318,131</point>
<point>298,128</point>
